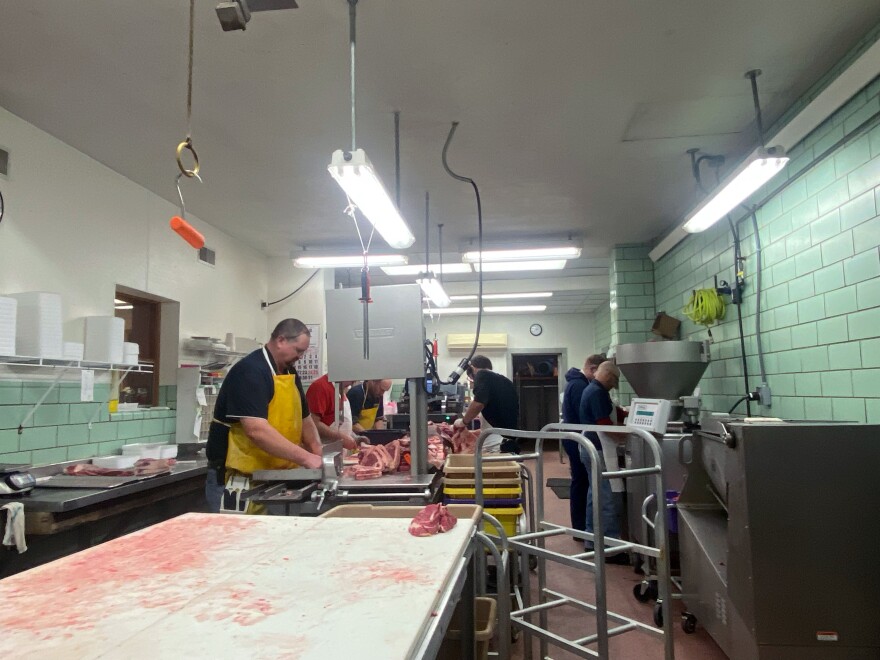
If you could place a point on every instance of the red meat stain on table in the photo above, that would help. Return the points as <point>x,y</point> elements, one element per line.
<point>74,593</point>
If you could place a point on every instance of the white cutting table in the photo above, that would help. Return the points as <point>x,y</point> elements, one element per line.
<point>224,586</point>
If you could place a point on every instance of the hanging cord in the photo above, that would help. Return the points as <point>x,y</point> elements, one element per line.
<point>352,34</point>
<point>737,257</point>
<point>440,247</point>
<point>466,361</point>
<point>739,401</point>
<point>758,269</point>
<point>292,293</point>
<point>187,144</point>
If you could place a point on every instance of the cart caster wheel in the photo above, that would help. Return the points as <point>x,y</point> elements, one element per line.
<point>689,623</point>
<point>533,563</point>
<point>645,591</point>
<point>658,614</point>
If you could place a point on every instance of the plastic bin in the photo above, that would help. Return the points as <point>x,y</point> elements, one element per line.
<point>484,628</point>
<point>507,517</point>
<point>463,465</point>
<point>488,493</point>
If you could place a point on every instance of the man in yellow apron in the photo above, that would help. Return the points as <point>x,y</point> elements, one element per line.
<point>261,419</point>
<point>367,409</point>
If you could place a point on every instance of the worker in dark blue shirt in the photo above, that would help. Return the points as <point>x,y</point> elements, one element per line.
<point>576,382</point>
<point>596,408</point>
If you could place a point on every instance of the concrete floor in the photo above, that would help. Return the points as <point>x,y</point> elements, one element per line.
<point>572,623</point>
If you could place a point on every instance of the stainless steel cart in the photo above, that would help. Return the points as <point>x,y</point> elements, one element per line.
<point>532,543</point>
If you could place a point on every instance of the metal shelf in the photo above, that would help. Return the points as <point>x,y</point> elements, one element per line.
<point>64,366</point>
<point>24,361</point>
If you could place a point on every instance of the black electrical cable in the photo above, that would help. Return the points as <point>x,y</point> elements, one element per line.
<point>463,364</point>
<point>739,401</point>
<point>758,268</point>
<point>292,293</point>
<point>737,260</point>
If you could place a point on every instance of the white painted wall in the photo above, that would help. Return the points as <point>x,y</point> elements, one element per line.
<point>573,332</point>
<point>76,227</point>
<point>307,305</point>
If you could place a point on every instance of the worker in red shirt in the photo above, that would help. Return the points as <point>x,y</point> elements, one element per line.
<point>321,397</point>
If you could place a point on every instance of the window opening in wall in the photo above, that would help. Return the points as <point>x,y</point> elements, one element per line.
<point>141,318</point>
<point>536,377</point>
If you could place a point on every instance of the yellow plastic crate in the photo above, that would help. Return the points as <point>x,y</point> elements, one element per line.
<point>509,492</point>
<point>507,517</point>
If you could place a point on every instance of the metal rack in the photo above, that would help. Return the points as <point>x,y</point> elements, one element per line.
<point>64,366</point>
<point>532,543</point>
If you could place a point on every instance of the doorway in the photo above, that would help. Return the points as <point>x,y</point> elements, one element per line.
<point>142,319</point>
<point>536,378</point>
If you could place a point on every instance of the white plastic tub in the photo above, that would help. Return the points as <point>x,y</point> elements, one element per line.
<point>115,462</point>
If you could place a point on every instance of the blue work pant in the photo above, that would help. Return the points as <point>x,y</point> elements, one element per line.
<point>580,484</point>
<point>607,501</point>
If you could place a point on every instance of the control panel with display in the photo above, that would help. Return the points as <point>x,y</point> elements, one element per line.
<point>649,414</point>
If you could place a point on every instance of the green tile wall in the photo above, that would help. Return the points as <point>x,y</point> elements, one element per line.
<point>60,429</point>
<point>820,315</point>
<point>632,300</point>
<point>602,327</point>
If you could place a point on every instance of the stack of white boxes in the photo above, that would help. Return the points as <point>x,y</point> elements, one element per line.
<point>38,327</point>
<point>104,338</point>
<point>8,307</point>
<point>130,353</point>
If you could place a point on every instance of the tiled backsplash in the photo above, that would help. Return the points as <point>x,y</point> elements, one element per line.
<point>59,431</point>
<point>820,316</point>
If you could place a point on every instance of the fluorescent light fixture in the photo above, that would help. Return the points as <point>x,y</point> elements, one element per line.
<point>448,269</point>
<point>526,254</point>
<point>498,309</point>
<point>349,261</point>
<point>433,290</point>
<point>507,309</point>
<point>117,301</point>
<point>756,170</point>
<point>504,296</point>
<point>124,307</point>
<point>356,176</point>
<point>452,310</point>
<point>502,266</point>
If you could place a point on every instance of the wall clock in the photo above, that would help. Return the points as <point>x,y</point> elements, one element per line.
<point>536,329</point>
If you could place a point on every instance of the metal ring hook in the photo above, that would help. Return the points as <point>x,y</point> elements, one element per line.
<point>194,172</point>
<point>180,193</point>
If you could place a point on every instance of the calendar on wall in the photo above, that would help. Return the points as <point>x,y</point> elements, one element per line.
<point>309,365</point>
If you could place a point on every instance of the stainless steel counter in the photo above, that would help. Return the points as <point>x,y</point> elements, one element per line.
<point>57,500</point>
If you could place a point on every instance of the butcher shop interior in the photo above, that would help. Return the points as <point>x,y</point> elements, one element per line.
<point>397,329</point>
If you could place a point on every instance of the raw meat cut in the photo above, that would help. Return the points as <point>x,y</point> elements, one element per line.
<point>436,451</point>
<point>393,449</point>
<point>464,441</point>
<point>433,519</point>
<point>144,467</point>
<point>362,472</point>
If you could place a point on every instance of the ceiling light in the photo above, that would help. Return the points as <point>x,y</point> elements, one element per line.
<point>349,261</point>
<point>526,254</point>
<point>504,296</point>
<point>498,309</point>
<point>515,308</point>
<point>452,310</point>
<point>117,301</point>
<point>433,290</point>
<point>124,307</point>
<point>448,269</point>
<point>354,172</point>
<point>756,170</point>
<point>521,265</point>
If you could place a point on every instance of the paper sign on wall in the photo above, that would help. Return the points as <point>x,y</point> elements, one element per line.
<point>309,365</point>
<point>87,385</point>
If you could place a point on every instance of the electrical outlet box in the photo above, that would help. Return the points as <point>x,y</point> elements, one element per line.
<point>764,397</point>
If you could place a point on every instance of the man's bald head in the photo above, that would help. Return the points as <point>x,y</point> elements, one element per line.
<point>608,374</point>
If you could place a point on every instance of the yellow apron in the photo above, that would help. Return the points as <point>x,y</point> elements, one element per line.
<point>285,416</point>
<point>367,417</point>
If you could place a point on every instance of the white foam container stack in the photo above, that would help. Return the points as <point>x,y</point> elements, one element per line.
<point>73,350</point>
<point>130,353</point>
<point>8,308</point>
<point>38,326</point>
<point>104,338</point>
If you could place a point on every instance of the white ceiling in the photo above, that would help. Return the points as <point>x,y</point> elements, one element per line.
<point>575,115</point>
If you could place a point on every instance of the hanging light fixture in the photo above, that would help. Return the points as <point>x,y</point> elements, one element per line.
<point>356,175</point>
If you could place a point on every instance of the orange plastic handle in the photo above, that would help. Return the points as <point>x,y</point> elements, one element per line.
<point>187,232</point>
